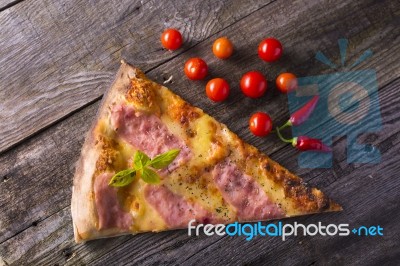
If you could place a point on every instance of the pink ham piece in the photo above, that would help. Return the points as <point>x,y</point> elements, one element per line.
<point>109,211</point>
<point>244,193</point>
<point>174,209</point>
<point>147,133</point>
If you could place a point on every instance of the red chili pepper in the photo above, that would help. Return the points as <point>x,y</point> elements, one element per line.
<point>301,115</point>
<point>304,143</point>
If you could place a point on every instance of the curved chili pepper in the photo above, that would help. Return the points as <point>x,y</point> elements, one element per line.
<point>301,115</point>
<point>304,143</point>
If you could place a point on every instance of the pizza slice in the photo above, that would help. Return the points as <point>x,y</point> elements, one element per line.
<point>215,178</point>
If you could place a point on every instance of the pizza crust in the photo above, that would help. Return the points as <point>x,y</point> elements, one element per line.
<point>83,209</point>
<point>300,198</point>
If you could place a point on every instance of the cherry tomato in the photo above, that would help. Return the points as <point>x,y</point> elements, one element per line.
<point>171,39</point>
<point>286,82</point>
<point>217,89</point>
<point>222,48</point>
<point>260,124</point>
<point>270,50</point>
<point>196,68</point>
<point>253,84</point>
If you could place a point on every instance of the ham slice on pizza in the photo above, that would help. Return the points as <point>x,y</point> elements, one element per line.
<point>214,177</point>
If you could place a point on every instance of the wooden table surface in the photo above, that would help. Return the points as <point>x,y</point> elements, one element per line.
<point>58,57</point>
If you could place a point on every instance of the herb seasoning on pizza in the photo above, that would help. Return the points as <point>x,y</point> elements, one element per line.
<point>153,162</point>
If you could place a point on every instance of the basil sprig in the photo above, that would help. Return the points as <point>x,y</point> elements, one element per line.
<point>142,168</point>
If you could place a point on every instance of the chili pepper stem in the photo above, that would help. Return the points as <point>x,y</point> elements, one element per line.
<point>294,141</point>
<point>287,124</point>
<point>282,138</point>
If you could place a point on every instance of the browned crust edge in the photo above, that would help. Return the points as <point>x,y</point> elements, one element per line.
<point>306,199</point>
<point>83,211</point>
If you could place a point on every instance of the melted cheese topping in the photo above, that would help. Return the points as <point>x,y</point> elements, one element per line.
<point>209,143</point>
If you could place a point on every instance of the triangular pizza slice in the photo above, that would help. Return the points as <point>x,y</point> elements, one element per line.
<point>216,178</point>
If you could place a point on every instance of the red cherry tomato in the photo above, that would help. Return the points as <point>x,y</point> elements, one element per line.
<point>217,89</point>
<point>260,124</point>
<point>286,82</point>
<point>270,50</point>
<point>253,84</point>
<point>196,68</point>
<point>222,48</point>
<point>171,39</point>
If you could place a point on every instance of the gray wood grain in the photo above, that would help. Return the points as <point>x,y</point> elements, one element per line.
<point>50,240</point>
<point>35,224</point>
<point>368,194</point>
<point>59,56</point>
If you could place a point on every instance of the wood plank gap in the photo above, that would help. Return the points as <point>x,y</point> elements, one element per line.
<point>36,223</point>
<point>360,165</point>
<point>11,4</point>
<point>55,122</point>
<point>206,247</point>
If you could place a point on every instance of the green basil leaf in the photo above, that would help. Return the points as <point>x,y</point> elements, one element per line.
<point>140,160</point>
<point>164,159</point>
<point>149,176</point>
<point>122,178</point>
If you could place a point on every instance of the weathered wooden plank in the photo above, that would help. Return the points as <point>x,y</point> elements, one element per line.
<point>76,129</point>
<point>176,246</point>
<point>368,193</point>
<point>362,186</point>
<point>31,169</point>
<point>333,22</point>
<point>46,161</point>
<point>58,56</point>
<point>299,58</point>
<point>67,144</point>
<point>57,229</point>
<point>303,250</point>
<point>36,177</point>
